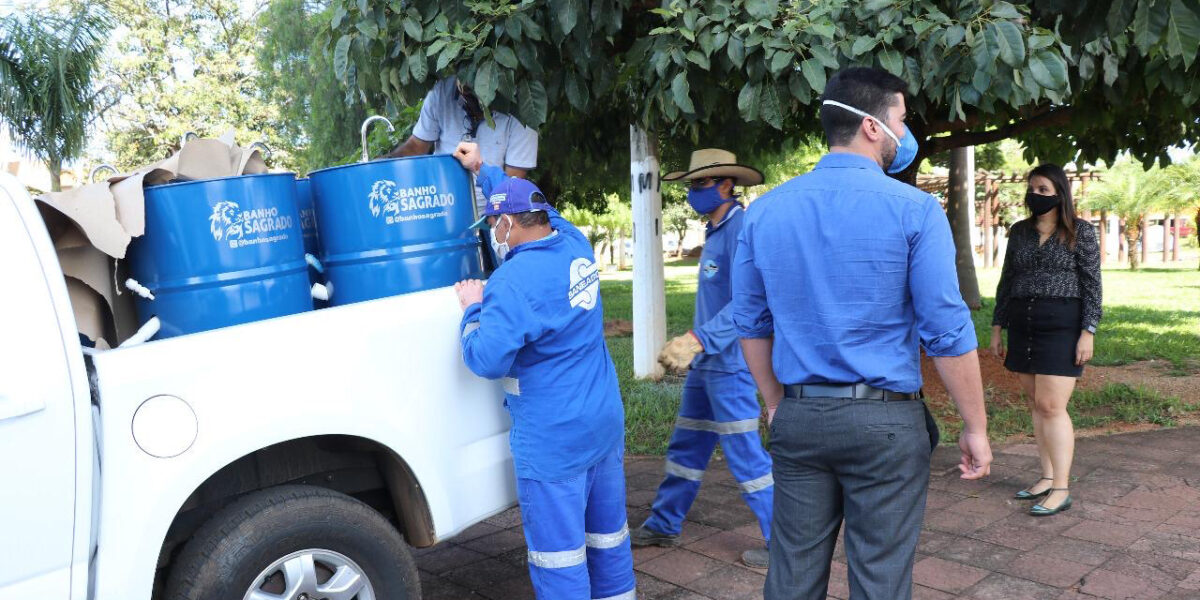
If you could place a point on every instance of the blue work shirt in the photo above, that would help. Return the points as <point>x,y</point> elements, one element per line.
<point>541,329</point>
<point>713,321</point>
<point>849,270</point>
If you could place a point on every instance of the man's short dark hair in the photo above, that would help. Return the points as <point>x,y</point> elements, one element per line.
<point>531,218</point>
<point>869,90</point>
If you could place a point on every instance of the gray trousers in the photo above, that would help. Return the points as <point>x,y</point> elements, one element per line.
<point>865,462</point>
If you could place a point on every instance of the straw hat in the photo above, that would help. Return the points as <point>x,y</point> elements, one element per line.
<point>714,162</point>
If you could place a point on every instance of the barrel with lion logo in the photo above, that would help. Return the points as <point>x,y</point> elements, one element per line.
<point>221,252</point>
<point>395,226</point>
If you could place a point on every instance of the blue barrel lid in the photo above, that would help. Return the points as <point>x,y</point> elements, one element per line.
<point>379,161</point>
<point>289,175</point>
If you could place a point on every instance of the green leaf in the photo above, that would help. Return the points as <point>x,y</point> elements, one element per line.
<point>533,30</point>
<point>418,66</point>
<point>413,28</point>
<point>1040,41</point>
<point>368,28</point>
<point>748,103</point>
<point>1149,21</point>
<point>981,81</point>
<point>953,35</point>
<point>892,61</point>
<point>680,91</point>
<point>799,88</point>
<point>874,6</point>
<point>341,57</point>
<point>532,103</point>
<point>506,57</point>
<point>736,51</point>
<point>826,57</point>
<point>1048,70</point>
<point>770,110</point>
<point>577,93</point>
<point>436,46</point>
<point>448,54</point>
<point>339,15</point>
<point>698,58</point>
<point>814,74</point>
<point>1110,69</point>
<point>1183,33</point>
<point>1004,10</point>
<point>762,9</point>
<point>487,79</point>
<point>1120,13</point>
<point>567,17</point>
<point>862,45</point>
<point>1012,45</point>
<point>781,60</point>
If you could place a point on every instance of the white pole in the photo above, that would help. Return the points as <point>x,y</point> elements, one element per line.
<point>649,301</point>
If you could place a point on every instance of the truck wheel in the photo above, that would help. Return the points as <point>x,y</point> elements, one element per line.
<point>295,542</point>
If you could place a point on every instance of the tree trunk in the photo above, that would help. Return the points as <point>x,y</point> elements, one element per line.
<point>1175,237</point>
<point>986,225</point>
<point>1122,244</point>
<point>1103,236</point>
<point>1166,237</point>
<point>679,246</point>
<point>621,252</point>
<point>1142,235</point>
<point>649,299</point>
<point>54,165</point>
<point>958,210</point>
<point>1134,232</point>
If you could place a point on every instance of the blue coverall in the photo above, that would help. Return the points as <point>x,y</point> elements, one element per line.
<point>719,401</point>
<point>540,329</point>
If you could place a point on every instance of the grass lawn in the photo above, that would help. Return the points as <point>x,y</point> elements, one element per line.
<point>1152,313</point>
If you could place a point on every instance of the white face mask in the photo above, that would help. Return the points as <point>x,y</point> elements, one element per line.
<point>501,248</point>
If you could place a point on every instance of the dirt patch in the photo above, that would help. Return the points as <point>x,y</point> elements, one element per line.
<point>618,328</point>
<point>999,384</point>
<point>1158,375</point>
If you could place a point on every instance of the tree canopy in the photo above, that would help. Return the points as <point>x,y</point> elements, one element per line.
<point>1080,80</point>
<point>49,64</point>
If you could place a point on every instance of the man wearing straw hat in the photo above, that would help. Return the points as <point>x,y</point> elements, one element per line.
<point>538,326</point>
<point>719,401</point>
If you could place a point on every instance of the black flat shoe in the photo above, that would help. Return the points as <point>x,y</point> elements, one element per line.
<point>1041,511</point>
<point>1026,495</point>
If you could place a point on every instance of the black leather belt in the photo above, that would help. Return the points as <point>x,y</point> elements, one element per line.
<point>852,391</point>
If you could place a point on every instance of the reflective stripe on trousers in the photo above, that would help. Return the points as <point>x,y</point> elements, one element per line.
<point>716,407</point>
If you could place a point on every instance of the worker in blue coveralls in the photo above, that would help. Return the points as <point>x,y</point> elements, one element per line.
<point>719,400</point>
<point>537,325</point>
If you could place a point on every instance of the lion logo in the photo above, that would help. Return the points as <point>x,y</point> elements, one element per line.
<point>226,221</point>
<point>383,198</point>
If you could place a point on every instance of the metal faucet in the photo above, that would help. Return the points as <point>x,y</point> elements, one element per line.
<point>101,167</point>
<point>365,126</point>
<point>266,151</point>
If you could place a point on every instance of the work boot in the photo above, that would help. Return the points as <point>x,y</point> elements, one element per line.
<point>644,536</point>
<point>756,558</point>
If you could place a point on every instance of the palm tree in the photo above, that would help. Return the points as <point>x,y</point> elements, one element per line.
<point>48,66</point>
<point>1130,191</point>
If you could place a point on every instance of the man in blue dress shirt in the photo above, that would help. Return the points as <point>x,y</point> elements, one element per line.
<point>718,401</point>
<point>840,277</point>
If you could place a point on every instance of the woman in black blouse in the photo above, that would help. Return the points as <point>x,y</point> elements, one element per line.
<point>1049,300</point>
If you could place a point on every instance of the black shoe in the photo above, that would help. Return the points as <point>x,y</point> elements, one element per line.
<point>644,536</point>
<point>1041,511</point>
<point>1026,495</point>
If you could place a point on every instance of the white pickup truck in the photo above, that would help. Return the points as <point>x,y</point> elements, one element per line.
<point>294,458</point>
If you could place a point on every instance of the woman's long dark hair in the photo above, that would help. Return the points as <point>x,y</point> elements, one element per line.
<point>1066,205</point>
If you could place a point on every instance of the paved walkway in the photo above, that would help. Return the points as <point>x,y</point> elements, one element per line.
<point>1134,533</point>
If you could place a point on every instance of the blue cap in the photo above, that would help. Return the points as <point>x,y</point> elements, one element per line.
<point>514,195</point>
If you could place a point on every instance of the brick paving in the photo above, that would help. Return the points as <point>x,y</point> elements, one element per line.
<point>1133,533</point>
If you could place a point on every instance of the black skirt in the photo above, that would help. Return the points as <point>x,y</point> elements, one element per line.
<point>1042,336</point>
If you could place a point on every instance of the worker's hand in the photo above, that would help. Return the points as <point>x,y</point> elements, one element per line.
<point>976,455</point>
<point>1083,349</point>
<point>468,155</point>
<point>677,355</point>
<point>470,291</point>
<point>997,342</point>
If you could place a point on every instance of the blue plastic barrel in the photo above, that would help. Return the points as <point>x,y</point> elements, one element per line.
<point>220,252</point>
<point>308,230</point>
<point>395,226</point>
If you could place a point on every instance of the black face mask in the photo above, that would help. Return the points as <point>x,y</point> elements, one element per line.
<point>1039,204</point>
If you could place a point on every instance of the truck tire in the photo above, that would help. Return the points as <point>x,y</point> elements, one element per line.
<point>293,542</point>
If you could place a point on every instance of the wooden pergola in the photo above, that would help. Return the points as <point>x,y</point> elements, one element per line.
<point>939,185</point>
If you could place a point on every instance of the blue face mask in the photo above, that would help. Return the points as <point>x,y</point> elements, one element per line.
<point>706,200</point>
<point>906,147</point>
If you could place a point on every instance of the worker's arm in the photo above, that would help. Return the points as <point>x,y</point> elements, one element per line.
<point>757,352</point>
<point>494,330</point>
<point>415,146</point>
<point>515,171</point>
